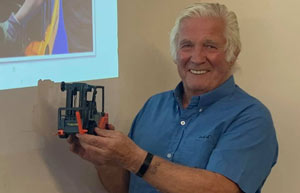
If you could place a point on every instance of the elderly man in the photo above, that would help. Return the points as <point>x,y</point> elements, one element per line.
<point>207,135</point>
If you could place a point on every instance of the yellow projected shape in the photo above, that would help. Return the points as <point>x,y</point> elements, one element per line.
<point>46,46</point>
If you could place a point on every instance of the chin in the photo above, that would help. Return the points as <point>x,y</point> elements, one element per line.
<point>197,89</point>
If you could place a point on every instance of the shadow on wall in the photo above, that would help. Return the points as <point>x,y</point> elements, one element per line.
<point>71,173</point>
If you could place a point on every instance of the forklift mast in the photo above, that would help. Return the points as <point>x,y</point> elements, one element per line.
<point>80,114</point>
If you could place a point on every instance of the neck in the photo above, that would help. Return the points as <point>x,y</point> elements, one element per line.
<point>188,94</point>
<point>186,100</point>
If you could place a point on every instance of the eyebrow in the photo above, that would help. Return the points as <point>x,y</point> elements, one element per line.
<point>205,41</point>
<point>185,41</point>
<point>210,42</point>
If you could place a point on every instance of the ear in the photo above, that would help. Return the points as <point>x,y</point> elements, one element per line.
<point>175,61</point>
<point>236,54</point>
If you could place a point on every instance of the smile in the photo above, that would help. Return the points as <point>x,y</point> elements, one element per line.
<point>198,72</point>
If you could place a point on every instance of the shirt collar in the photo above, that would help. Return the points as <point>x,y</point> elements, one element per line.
<point>208,98</point>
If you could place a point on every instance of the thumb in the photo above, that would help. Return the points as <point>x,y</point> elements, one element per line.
<point>110,127</point>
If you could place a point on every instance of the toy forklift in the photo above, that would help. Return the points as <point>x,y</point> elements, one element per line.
<point>80,115</point>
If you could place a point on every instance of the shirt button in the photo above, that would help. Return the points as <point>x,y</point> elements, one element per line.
<point>200,110</point>
<point>169,155</point>
<point>182,122</point>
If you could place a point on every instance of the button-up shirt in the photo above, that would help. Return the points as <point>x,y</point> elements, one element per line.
<point>225,131</point>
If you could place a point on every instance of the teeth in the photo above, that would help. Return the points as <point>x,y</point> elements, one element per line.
<point>198,71</point>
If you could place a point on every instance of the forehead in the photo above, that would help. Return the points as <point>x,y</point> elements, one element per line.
<point>202,28</point>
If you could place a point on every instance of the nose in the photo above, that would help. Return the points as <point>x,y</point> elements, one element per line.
<point>198,55</point>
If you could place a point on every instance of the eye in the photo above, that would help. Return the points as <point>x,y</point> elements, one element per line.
<point>186,46</point>
<point>210,46</point>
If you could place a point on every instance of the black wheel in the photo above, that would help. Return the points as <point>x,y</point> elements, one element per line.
<point>64,136</point>
<point>63,86</point>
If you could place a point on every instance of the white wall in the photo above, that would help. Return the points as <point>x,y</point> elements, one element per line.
<point>33,160</point>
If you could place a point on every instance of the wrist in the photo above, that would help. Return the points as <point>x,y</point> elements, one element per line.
<point>137,161</point>
<point>145,166</point>
<point>14,19</point>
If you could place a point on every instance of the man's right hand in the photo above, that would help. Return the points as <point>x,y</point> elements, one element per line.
<point>113,178</point>
<point>77,148</point>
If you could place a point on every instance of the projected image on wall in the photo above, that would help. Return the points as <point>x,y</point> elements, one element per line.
<point>59,40</point>
<point>45,27</point>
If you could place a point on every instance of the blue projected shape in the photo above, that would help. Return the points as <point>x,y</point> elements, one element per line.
<point>61,41</point>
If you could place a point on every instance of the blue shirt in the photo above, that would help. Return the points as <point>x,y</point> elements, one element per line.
<point>224,131</point>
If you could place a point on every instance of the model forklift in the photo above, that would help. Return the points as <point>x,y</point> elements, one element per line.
<point>80,114</point>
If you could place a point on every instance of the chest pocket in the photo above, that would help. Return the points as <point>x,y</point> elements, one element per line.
<point>195,151</point>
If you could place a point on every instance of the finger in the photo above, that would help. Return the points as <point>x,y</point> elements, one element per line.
<point>104,133</point>
<point>89,153</point>
<point>72,139</point>
<point>93,140</point>
<point>92,153</point>
<point>69,139</point>
<point>91,148</point>
<point>76,148</point>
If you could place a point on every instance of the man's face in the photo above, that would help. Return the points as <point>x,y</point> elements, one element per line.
<point>201,58</point>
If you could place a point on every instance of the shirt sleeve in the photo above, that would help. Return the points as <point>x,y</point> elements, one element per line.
<point>247,150</point>
<point>136,119</point>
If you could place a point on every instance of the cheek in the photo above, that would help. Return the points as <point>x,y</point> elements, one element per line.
<point>182,60</point>
<point>180,70</point>
<point>219,63</point>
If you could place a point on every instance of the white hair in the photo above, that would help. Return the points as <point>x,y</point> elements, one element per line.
<point>232,35</point>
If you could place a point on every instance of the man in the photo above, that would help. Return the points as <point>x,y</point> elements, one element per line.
<point>207,135</point>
